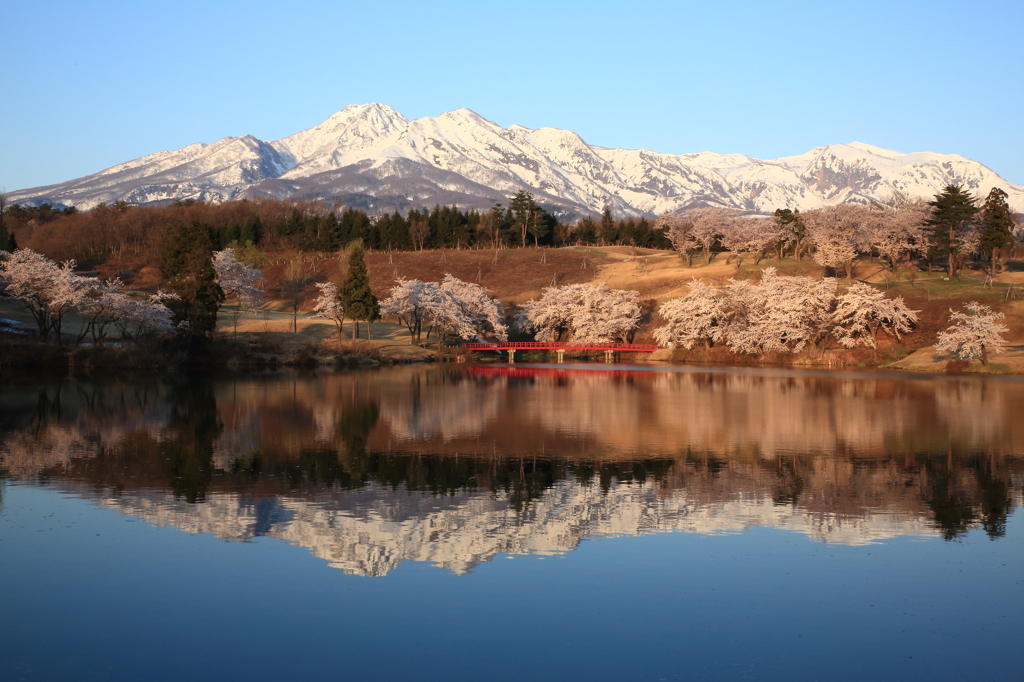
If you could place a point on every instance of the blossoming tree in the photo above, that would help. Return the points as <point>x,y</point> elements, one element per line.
<point>973,334</point>
<point>581,312</point>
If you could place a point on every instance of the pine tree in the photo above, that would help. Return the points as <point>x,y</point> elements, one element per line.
<point>356,297</point>
<point>187,270</point>
<point>952,214</point>
<point>609,233</point>
<point>586,231</point>
<point>996,226</point>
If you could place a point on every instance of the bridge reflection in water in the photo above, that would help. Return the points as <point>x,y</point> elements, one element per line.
<point>611,350</point>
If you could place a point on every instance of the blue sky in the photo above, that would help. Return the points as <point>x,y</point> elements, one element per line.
<point>91,84</point>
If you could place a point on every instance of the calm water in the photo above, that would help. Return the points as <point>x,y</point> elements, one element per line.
<point>465,523</point>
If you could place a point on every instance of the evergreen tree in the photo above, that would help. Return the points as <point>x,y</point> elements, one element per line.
<point>251,232</point>
<point>586,231</point>
<point>952,214</point>
<point>609,233</point>
<point>356,298</point>
<point>296,224</point>
<point>996,226</point>
<point>186,268</point>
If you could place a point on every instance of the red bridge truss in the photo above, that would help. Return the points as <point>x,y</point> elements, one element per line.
<point>570,345</point>
<point>610,349</point>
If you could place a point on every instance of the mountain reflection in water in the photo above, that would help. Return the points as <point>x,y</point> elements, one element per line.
<point>457,465</point>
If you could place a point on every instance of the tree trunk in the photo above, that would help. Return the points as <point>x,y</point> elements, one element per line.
<point>984,356</point>
<point>951,261</point>
<point>355,329</point>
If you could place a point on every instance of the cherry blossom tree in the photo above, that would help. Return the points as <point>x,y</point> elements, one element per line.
<point>862,310</point>
<point>699,316</point>
<point>138,318</point>
<point>49,290</point>
<point>581,312</point>
<point>742,236</point>
<point>101,308</point>
<point>700,231</point>
<point>780,314</point>
<point>482,311</point>
<point>452,307</point>
<point>328,307</point>
<point>973,334</point>
<point>239,280</point>
<point>446,316</point>
<point>409,300</point>
<point>835,231</point>
<point>897,233</point>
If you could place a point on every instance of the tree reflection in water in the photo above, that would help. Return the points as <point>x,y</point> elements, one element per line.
<point>699,451</point>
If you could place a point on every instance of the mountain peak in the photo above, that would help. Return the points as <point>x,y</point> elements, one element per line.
<point>372,155</point>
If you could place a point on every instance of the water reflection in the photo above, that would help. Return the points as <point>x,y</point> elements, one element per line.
<point>457,465</point>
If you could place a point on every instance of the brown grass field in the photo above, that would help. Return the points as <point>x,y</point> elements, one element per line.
<point>516,276</point>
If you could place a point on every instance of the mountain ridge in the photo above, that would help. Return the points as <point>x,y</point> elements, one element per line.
<point>372,157</point>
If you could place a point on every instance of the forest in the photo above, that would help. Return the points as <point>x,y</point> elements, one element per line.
<point>126,231</point>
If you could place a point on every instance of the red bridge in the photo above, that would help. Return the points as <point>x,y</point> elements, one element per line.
<point>610,349</point>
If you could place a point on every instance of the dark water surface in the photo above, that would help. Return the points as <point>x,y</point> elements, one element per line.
<point>478,523</point>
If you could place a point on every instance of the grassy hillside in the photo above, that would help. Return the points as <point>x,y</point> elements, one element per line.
<point>518,275</point>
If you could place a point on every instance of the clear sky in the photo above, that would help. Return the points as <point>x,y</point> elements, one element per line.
<point>87,85</point>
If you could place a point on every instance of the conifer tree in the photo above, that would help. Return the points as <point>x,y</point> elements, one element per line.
<point>357,299</point>
<point>586,231</point>
<point>952,214</point>
<point>608,232</point>
<point>187,271</point>
<point>996,226</point>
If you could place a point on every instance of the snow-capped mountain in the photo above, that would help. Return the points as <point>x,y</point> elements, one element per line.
<point>370,156</point>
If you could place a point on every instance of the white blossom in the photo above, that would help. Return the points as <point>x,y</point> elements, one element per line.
<point>238,279</point>
<point>862,310</point>
<point>581,312</point>
<point>973,334</point>
<point>835,232</point>
<point>328,307</point>
<point>700,315</point>
<point>409,300</point>
<point>48,289</point>
<point>749,235</point>
<point>480,309</point>
<point>780,314</point>
<point>700,231</point>
<point>895,233</point>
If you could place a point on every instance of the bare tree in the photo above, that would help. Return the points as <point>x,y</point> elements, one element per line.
<point>419,230</point>
<point>293,288</point>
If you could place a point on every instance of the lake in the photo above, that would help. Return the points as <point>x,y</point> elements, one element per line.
<point>467,522</point>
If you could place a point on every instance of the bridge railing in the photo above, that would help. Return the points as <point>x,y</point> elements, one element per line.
<point>553,345</point>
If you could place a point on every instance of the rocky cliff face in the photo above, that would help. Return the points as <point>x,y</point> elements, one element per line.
<point>372,157</point>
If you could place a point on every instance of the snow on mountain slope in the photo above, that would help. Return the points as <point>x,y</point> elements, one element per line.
<point>354,132</point>
<point>216,172</point>
<point>372,156</point>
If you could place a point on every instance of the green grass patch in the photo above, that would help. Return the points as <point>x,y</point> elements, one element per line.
<point>997,368</point>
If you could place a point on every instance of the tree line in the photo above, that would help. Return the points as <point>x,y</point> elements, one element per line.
<point>948,230</point>
<point>123,230</point>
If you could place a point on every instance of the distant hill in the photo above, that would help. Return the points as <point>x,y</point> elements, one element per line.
<point>371,157</point>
